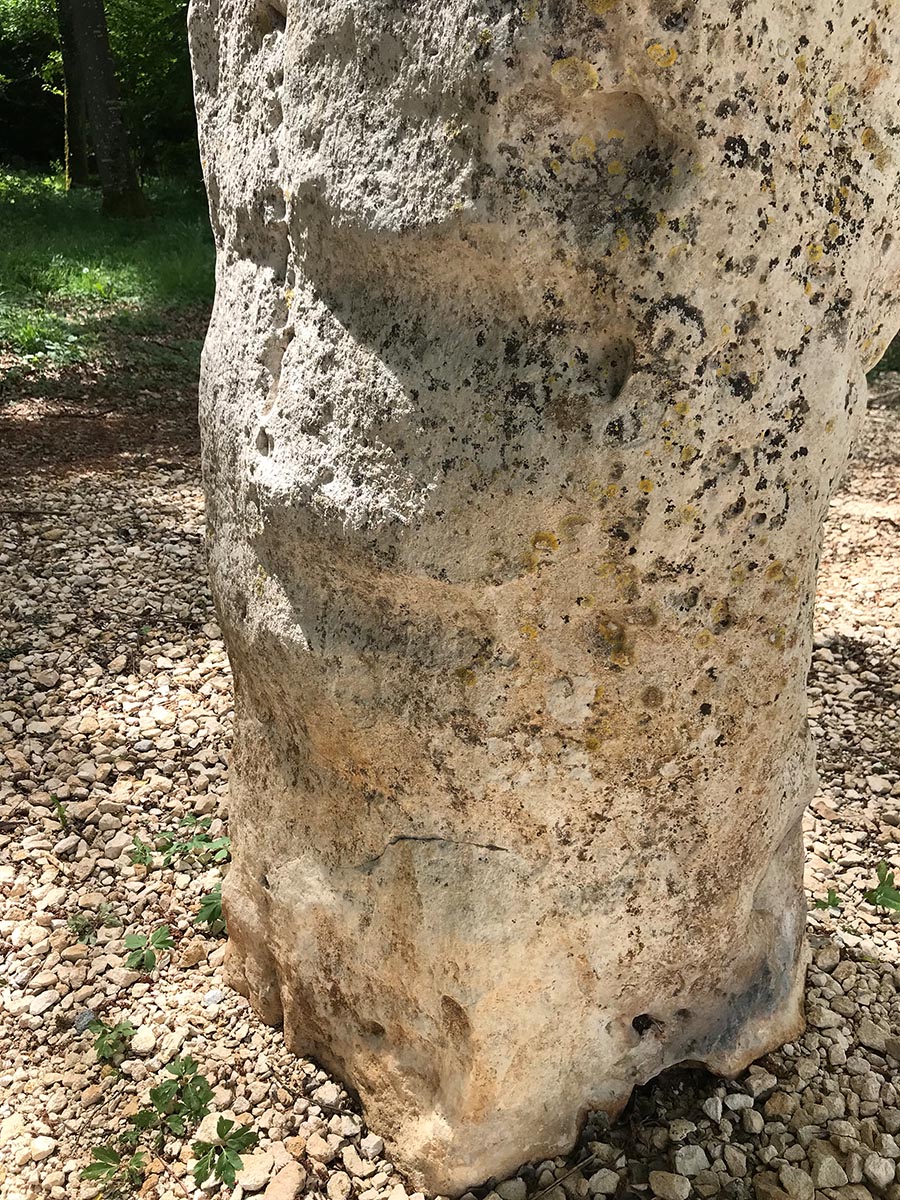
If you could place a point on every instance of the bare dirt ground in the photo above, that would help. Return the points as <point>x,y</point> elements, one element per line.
<point>115,710</point>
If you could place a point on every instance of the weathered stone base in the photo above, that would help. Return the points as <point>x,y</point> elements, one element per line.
<point>438,1071</point>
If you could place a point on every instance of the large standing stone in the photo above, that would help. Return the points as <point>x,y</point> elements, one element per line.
<point>538,345</point>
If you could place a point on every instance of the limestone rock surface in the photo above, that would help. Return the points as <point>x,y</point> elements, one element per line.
<point>538,346</point>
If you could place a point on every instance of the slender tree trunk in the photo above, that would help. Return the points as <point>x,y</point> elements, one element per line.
<point>85,20</point>
<point>76,147</point>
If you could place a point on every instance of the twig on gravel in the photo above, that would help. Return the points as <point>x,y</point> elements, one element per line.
<point>558,1180</point>
<point>169,1171</point>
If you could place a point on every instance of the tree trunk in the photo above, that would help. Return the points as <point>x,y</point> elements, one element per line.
<point>76,147</point>
<point>82,25</point>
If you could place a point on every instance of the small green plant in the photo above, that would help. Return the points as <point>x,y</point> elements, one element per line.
<point>832,900</point>
<point>85,925</point>
<point>176,1104</point>
<point>885,894</point>
<point>119,1174</point>
<point>222,1160</point>
<point>141,853</point>
<point>111,1041</point>
<point>60,809</point>
<point>210,911</point>
<point>198,844</point>
<point>145,949</point>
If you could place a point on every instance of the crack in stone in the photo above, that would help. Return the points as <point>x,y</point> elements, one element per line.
<point>425,837</point>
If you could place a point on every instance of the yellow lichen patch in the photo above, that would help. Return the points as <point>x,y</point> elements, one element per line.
<point>621,658</point>
<point>829,426</point>
<point>646,486</point>
<point>529,10</point>
<point>527,629</point>
<point>873,143</point>
<point>485,37</point>
<point>834,230</point>
<point>724,369</point>
<point>777,636</point>
<point>726,331</point>
<point>800,63</point>
<point>601,7</point>
<point>465,675</point>
<point>575,76</point>
<point>555,166</point>
<point>835,121</point>
<point>662,56</point>
<point>703,639</point>
<point>570,523</point>
<point>545,539</point>
<point>594,488</point>
<point>599,693</point>
<point>739,575</point>
<point>615,166</point>
<point>583,147</point>
<point>289,294</point>
<point>452,129</point>
<point>814,252</point>
<point>616,135</point>
<point>687,512</point>
<point>612,490</point>
<point>682,408</point>
<point>688,454</point>
<point>775,570</point>
<point>720,614</point>
<point>606,569</point>
<point>623,241</point>
<point>530,561</point>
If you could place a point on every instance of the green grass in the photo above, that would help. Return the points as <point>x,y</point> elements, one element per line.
<point>69,277</point>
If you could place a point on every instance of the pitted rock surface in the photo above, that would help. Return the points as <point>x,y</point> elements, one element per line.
<point>538,347</point>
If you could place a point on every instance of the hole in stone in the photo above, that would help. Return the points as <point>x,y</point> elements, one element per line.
<point>264,442</point>
<point>275,17</point>
<point>268,18</point>
<point>643,1022</point>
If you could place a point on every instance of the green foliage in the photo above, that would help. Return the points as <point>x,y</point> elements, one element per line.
<point>886,893</point>
<point>176,1104</point>
<point>144,949</point>
<point>223,1160</point>
<point>111,1041</point>
<point>210,911</point>
<point>118,1174</point>
<point>141,852</point>
<point>60,809</point>
<point>199,844</point>
<point>85,925</point>
<point>70,280</point>
<point>832,900</point>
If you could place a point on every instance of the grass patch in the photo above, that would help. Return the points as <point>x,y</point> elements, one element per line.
<point>70,278</point>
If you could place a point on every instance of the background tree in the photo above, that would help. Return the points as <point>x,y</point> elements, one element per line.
<point>149,48</point>
<point>76,123</point>
<point>87,41</point>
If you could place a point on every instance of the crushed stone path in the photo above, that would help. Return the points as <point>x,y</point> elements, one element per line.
<point>115,715</point>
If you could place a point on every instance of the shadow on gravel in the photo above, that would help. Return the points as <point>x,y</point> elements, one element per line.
<point>136,404</point>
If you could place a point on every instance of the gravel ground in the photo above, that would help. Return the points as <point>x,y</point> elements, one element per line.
<point>116,700</point>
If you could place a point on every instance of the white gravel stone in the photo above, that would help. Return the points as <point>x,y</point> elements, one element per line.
<point>41,1148</point>
<point>691,1160</point>
<point>667,1186</point>
<point>144,1041</point>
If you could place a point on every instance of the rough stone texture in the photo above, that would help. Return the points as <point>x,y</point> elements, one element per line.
<point>538,345</point>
